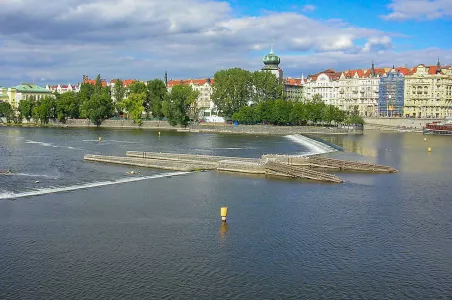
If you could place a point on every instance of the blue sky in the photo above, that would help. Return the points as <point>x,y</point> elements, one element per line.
<point>59,41</point>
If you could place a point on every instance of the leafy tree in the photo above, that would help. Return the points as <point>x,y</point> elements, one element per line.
<point>85,93</point>
<point>45,109</point>
<point>156,95</point>
<point>281,112</point>
<point>133,105</point>
<point>315,108</point>
<point>246,115</point>
<point>137,87</point>
<point>266,86</point>
<point>119,93</point>
<point>177,104</point>
<point>6,111</point>
<point>299,113</point>
<point>67,106</point>
<point>265,111</point>
<point>232,89</point>
<point>26,109</point>
<point>98,108</point>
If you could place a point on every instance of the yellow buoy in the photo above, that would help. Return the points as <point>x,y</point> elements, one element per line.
<point>100,139</point>
<point>159,133</point>
<point>223,213</point>
<point>429,149</point>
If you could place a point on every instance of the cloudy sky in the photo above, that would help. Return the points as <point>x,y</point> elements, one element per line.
<point>57,41</point>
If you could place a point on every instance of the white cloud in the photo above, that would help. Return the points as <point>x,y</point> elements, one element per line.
<point>377,43</point>
<point>419,10</point>
<point>308,8</point>
<point>189,38</point>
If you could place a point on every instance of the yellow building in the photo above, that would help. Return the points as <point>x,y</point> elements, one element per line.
<point>428,92</point>
<point>4,94</point>
<point>26,91</point>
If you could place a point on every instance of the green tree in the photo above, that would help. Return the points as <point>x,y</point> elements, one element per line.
<point>232,89</point>
<point>119,92</point>
<point>67,106</point>
<point>137,87</point>
<point>246,115</point>
<point>281,112</point>
<point>6,111</point>
<point>98,108</point>
<point>177,105</point>
<point>133,105</point>
<point>315,108</point>
<point>45,109</point>
<point>299,113</point>
<point>85,93</point>
<point>156,95</point>
<point>266,86</point>
<point>26,109</point>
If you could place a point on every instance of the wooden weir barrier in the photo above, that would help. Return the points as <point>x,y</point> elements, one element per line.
<point>331,163</point>
<point>300,172</point>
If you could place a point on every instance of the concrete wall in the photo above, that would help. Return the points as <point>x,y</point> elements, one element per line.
<point>116,124</point>
<point>400,122</point>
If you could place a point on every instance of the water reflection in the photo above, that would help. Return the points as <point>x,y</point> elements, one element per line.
<point>223,229</point>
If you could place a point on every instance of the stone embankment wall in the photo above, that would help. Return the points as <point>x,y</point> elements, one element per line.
<point>214,127</point>
<point>399,123</point>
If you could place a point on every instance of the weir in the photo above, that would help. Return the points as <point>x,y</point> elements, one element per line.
<point>269,164</point>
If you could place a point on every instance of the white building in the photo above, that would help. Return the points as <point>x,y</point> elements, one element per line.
<point>63,88</point>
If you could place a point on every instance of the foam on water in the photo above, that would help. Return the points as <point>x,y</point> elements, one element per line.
<point>50,145</point>
<point>50,190</point>
<point>314,146</point>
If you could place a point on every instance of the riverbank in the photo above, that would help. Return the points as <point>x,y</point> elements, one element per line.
<point>202,127</point>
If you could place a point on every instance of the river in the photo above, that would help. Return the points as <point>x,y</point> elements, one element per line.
<point>71,229</point>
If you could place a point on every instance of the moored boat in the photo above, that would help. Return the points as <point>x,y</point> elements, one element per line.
<point>440,128</point>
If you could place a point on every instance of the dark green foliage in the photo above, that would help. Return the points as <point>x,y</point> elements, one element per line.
<point>156,92</point>
<point>266,87</point>
<point>45,109</point>
<point>281,112</point>
<point>67,106</point>
<point>98,108</point>
<point>6,111</point>
<point>26,109</point>
<point>232,89</point>
<point>176,106</point>
<point>133,105</point>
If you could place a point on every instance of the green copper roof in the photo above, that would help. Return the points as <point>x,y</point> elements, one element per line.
<point>31,88</point>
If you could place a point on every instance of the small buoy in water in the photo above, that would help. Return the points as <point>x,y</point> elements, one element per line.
<point>100,139</point>
<point>37,181</point>
<point>425,139</point>
<point>159,133</point>
<point>223,213</point>
<point>429,149</point>
<point>133,172</point>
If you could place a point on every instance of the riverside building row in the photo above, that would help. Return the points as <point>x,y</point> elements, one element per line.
<point>419,92</point>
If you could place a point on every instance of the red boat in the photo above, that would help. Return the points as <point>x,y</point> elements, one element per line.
<point>441,128</point>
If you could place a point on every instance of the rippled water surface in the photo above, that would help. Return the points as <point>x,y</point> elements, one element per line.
<point>88,231</point>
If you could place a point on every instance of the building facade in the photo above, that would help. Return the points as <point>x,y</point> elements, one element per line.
<point>325,84</point>
<point>391,94</point>
<point>27,91</point>
<point>63,88</point>
<point>204,104</point>
<point>294,89</point>
<point>428,92</point>
<point>4,94</point>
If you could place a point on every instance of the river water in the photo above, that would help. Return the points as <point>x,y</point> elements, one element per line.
<point>71,229</point>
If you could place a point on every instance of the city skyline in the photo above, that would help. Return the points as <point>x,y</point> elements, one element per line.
<point>142,39</point>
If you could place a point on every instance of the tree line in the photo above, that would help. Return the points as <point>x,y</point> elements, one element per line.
<point>98,102</point>
<point>240,95</point>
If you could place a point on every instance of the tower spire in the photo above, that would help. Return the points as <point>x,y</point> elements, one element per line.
<point>271,47</point>
<point>166,78</point>
<point>373,69</point>
<point>438,67</point>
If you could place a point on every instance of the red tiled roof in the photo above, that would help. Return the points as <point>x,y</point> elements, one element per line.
<point>292,81</point>
<point>172,83</point>
<point>93,82</point>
